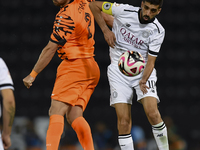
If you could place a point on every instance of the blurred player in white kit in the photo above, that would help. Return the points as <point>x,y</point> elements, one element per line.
<point>136,29</point>
<point>8,105</point>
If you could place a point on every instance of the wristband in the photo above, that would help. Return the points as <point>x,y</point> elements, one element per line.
<point>33,74</point>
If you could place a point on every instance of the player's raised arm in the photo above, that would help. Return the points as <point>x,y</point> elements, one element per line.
<point>97,8</point>
<point>44,59</point>
<point>108,19</point>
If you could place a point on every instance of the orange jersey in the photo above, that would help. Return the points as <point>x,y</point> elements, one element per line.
<point>73,31</point>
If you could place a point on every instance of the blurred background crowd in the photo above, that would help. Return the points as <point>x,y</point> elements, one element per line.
<point>26,26</point>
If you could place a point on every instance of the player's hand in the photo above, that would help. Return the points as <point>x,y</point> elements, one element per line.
<point>6,141</point>
<point>28,81</point>
<point>110,38</point>
<point>143,86</point>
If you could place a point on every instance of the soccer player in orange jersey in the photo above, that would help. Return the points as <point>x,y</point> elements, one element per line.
<point>77,75</point>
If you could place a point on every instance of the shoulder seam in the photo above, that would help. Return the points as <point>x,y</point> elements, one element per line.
<point>156,26</point>
<point>130,10</point>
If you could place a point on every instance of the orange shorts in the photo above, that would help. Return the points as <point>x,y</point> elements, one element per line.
<point>75,81</point>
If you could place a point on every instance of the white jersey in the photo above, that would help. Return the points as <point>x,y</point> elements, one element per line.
<point>133,35</point>
<point>5,78</point>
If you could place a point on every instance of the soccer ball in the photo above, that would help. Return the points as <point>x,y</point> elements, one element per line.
<point>131,63</point>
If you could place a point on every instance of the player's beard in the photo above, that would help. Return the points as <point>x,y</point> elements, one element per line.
<point>148,20</point>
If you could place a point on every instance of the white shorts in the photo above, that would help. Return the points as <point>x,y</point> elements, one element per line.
<point>122,87</point>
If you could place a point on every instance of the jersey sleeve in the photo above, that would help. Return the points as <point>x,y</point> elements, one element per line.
<point>114,9</point>
<point>62,29</point>
<point>156,42</point>
<point>118,9</point>
<point>5,77</point>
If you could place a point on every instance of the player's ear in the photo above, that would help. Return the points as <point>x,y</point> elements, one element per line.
<point>159,9</point>
<point>142,4</point>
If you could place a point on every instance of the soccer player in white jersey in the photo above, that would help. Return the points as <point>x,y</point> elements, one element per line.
<point>137,29</point>
<point>8,105</point>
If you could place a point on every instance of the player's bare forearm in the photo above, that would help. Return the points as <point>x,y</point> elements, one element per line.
<point>148,68</point>
<point>45,56</point>
<point>108,19</point>
<point>8,118</point>
<point>44,59</point>
<point>97,12</point>
<point>146,73</point>
<point>8,110</point>
<point>96,9</point>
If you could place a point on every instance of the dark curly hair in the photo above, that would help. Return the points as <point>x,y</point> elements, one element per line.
<point>155,2</point>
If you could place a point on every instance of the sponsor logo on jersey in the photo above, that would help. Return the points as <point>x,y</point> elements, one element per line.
<point>128,25</point>
<point>160,135</point>
<point>145,34</point>
<point>130,38</point>
<point>81,6</point>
